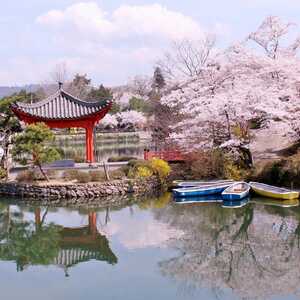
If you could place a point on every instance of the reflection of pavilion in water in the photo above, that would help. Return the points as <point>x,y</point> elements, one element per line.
<point>80,244</point>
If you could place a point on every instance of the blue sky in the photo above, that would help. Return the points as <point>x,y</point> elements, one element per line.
<point>115,40</point>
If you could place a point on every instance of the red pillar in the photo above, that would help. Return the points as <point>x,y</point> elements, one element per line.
<point>89,138</point>
<point>93,223</point>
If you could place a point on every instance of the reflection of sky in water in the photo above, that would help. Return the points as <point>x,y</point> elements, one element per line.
<point>141,239</point>
<point>135,276</point>
<point>139,230</point>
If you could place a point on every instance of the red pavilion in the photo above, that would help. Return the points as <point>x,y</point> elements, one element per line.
<point>62,110</point>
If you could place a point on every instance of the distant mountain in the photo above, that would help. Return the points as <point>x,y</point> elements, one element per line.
<point>121,93</point>
<point>9,90</point>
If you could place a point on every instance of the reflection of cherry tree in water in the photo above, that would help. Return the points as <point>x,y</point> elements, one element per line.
<point>289,230</point>
<point>238,249</point>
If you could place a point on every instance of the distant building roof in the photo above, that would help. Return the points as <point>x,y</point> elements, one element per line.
<point>60,106</point>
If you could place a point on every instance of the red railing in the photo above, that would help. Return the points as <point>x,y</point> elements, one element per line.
<point>167,155</point>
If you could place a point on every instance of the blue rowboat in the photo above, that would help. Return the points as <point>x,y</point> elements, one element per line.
<point>199,199</point>
<point>236,191</point>
<point>236,203</point>
<point>193,183</point>
<point>201,190</point>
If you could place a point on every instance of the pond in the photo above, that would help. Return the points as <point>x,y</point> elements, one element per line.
<point>106,145</point>
<point>151,249</point>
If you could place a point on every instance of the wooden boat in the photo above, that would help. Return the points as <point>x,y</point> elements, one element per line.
<point>200,199</point>
<point>192,183</point>
<point>201,190</point>
<point>236,191</point>
<point>273,191</point>
<point>236,203</point>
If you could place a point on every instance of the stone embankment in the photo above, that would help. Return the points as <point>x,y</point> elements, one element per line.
<point>78,193</point>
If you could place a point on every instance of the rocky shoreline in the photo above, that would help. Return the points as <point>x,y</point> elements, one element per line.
<point>71,194</point>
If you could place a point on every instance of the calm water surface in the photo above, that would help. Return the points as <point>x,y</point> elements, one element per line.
<point>74,146</point>
<point>155,249</point>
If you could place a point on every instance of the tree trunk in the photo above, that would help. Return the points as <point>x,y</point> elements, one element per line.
<point>43,172</point>
<point>4,159</point>
<point>228,124</point>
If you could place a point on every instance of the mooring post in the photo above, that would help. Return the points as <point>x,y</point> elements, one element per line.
<point>106,171</point>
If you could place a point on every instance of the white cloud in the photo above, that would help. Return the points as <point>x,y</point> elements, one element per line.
<point>153,21</point>
<point>113,46</point>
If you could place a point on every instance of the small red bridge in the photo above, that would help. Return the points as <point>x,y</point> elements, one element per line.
<point>167,155</point>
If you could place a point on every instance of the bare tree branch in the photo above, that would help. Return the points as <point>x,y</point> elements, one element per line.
<point>187,58</point>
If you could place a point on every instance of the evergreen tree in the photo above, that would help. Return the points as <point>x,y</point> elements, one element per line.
<point>158,82</point>
<point>139,104</point>
<point>34,146</point>
<point>80,86</point>
<point>162,113</point>
<point>101,93</point>
<point>9,125</point>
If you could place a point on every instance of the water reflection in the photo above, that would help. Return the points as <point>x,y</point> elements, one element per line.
<point>207,251</point>
<point>235,203</point>
<point>35,242</point>
<point>252,250</point>
<point>104,148</point>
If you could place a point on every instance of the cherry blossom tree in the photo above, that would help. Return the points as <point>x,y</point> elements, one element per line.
<point>125,119</point>
<point>187,58</point>
<point>109,121</point>
<point>131,118</point>
<point>242,85</point>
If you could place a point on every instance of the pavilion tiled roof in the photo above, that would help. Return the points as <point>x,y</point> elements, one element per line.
<point>61,105</point>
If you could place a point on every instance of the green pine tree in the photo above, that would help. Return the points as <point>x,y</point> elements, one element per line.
<point>33,146</point>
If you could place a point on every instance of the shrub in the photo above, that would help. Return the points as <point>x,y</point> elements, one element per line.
<point>180,171</point>
<point>2,173</point>
<point>121,158</point>
<point>241,130</point>
<point>143,172</point>
<point>137,162</point>
<point>125,169</point>
<point>232,171</point>
<point>52,174</point>
<point>26,176</point>
<point>132,168</point>
<point>117,174</point>
<point>97,176</point>
<point>160,168</point>
<point>215,164</point>
<point>34,175</point>
<point>206,164</point>
<point>70,174</point>
<point>83,177</point>
<point>144,169</point>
